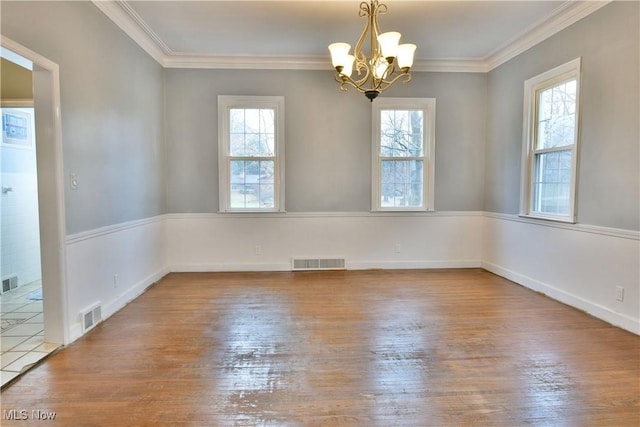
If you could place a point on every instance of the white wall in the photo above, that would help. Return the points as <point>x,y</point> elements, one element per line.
<point>212,242</point>
<point>141,252</point>
<point>134,251</point>
<point>578,265</point>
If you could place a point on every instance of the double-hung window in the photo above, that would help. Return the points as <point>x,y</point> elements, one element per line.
<point>550,142</point>
<point>251,153</point>
<point>403,154</point>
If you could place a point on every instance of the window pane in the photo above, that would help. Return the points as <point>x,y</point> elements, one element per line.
<point>401,183</point>
<point>252,183</point>
<point>252,132</point>
<point>401,133</point>
<point>237,144</point>
<point>556,116</point>
<point>236,118</point>
<point>552,182</point>
<point>266,196</point>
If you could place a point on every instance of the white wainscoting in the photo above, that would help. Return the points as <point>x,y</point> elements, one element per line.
<point>576,264</point>
<point>134,251</point>
<point>267,242</point>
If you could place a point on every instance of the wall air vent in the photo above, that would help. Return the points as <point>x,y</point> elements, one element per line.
<point>9,283</point>
<point>91,317</point>
<point>313,264</point>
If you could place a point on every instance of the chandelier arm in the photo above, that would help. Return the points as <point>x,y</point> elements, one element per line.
<point>387,72</point>
<point>361,81</point>
<point>343,80</point>
<point>388,83</point>
<point>361,63</point>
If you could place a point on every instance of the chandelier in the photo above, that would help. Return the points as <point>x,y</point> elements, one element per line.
<point>387,63</point>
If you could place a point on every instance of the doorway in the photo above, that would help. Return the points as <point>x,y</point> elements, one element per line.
<point>33,291</point>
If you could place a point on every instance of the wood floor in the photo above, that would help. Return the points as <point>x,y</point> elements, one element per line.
<point>372,348</point>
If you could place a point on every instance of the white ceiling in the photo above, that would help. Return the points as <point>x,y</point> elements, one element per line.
<point>476,35</point>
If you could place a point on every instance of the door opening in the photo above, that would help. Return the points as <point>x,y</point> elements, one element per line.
<point>32,220</point>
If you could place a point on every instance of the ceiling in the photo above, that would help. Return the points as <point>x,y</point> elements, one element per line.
<point>456,34</point>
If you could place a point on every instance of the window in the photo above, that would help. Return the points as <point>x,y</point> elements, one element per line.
<point>403,154</point>
<point>251,153</point>
<point>551,119</point>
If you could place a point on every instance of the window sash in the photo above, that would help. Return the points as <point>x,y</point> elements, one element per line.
<point>551,186</point>
<point>257,193</point>
<point>402,190</point>
<point>537,195</point>
<point>383,199</point>
<point>559,100</point>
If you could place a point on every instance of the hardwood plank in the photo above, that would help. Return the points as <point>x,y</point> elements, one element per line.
<point>348,348</point>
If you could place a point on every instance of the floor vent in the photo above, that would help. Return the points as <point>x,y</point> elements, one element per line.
<point>9,283</point>
<point>311,264</point>
<point>91,317</point>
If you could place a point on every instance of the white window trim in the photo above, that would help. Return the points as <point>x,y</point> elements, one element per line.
<point>225,103</point>
<point>428,105</point>
<point>571,69</point>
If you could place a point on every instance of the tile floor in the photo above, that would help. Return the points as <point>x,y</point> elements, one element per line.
<point>22,332</point>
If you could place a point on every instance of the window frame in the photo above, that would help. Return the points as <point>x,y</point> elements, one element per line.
<point>428,107</point>
<point>225,104</point>
<point>532,87</point>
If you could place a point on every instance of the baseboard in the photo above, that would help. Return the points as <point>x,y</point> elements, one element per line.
<point>359,265</point>
<point>596,310</point>
<point>408,265</point>
<point>228,267</point>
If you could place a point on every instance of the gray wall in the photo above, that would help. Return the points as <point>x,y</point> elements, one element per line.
<point>118,105</point>
<point>608,174</point>
<point>111,95</point>
<point>327,137</point>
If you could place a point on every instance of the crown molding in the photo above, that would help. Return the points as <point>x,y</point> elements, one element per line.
<point>180,60</point>
<point>565,15</point>
<point>450,65</point>
<point>135,27</point>
<point>130,22</point>
<point>246,62</point>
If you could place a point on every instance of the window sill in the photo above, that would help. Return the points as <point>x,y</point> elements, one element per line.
<point>563,219</point>
<point>252,211</point>
<point>400,211</point>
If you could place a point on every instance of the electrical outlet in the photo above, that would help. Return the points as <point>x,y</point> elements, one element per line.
<point>396,248</point>
<point>115,281</point>
<point>73,181</point>
<point>257,250</point>
<point>619,293</point>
